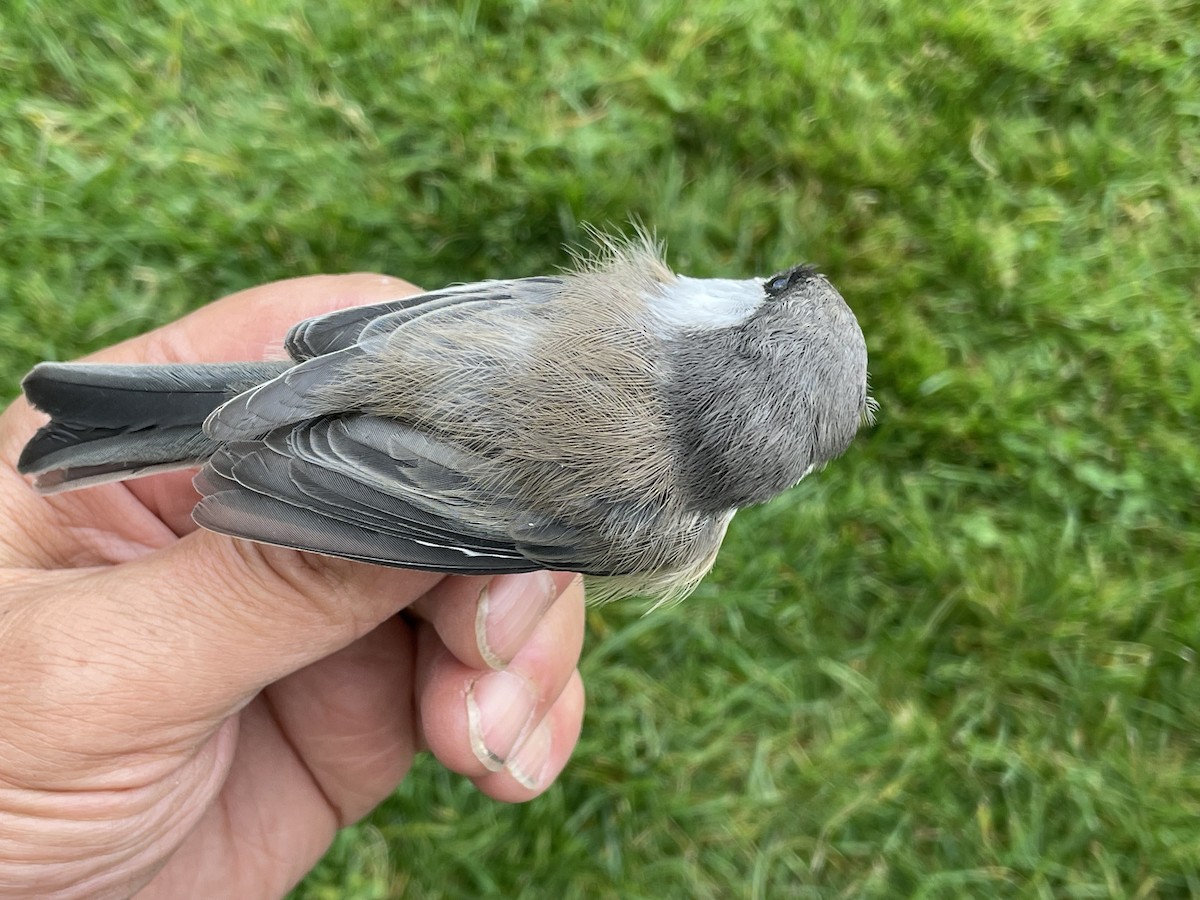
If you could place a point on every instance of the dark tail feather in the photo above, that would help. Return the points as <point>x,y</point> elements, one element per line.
<point>111,422</point>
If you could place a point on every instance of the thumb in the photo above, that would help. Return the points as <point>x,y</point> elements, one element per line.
<point>249,613</point>
<point>215,619</point>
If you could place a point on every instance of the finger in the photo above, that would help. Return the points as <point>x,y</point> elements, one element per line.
<point>475,721</point>
<point>484,621</point>
<point>543,756</point>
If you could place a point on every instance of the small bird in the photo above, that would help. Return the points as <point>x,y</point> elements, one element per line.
<point>608,420</point>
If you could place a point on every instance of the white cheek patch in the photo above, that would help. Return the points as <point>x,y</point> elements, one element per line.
<point>687,304</point>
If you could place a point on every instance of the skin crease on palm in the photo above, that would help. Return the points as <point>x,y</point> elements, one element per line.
<point>182,714</point>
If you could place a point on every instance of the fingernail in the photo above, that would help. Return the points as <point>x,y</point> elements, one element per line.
<point>530,762</point>
<point>509,607</point>
<point>500,707</point>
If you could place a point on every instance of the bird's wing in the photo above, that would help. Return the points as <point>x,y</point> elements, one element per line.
<point>295,396</point>
<point>309,389</point>
<point>363,488</point>
<point>346,327</point>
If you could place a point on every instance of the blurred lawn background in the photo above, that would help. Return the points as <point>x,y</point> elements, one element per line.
<point>962,660</point>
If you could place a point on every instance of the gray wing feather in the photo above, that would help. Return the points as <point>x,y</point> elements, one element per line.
<point>329,493</point>
<point>327,345</point>
<point>294,396</point>
<point>259,517</point>
<point>393,457</point>
<point>346,327</point>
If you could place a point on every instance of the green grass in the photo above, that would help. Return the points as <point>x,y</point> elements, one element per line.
<point>961,661</point>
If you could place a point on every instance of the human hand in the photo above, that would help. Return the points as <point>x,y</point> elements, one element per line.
<point>190,715</point>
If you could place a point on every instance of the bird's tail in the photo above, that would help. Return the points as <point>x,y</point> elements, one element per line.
<point>112,422</point>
